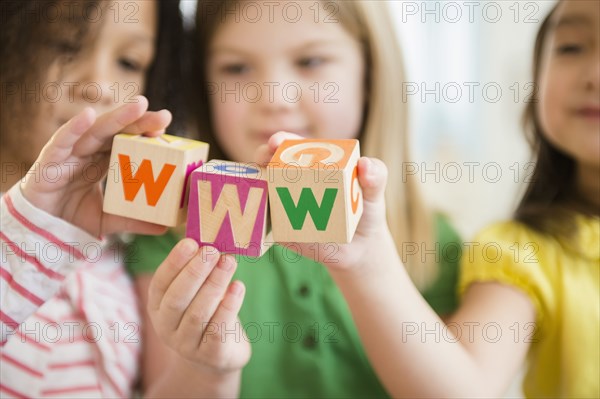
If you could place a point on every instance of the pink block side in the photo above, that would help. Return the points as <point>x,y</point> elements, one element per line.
<point>186,185</point>
<point>224,240</point>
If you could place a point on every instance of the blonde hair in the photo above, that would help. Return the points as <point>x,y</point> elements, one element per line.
<point>385,130</point>
<point>384,133</point>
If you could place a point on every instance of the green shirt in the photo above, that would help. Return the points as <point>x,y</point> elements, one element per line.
<point>304,341</point>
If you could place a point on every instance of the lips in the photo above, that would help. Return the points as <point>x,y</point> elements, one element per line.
<point>589,112</point>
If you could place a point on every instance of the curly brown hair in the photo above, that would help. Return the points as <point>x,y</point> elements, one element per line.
<point>37,33</point>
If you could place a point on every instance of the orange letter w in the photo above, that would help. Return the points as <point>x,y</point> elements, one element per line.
<point>144,176</point>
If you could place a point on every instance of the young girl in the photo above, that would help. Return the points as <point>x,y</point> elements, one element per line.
<point>344,80</point>
<point>530,286</point>
<point>68,313</point>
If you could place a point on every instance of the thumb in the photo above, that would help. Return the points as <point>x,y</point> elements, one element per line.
<point>372,177</point>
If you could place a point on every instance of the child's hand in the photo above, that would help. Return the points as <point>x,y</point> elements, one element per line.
<point>77,157</point>
<point>372,237</point>
<point>194,306</point>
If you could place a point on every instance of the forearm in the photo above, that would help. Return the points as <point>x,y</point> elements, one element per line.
<point>183,380</point>
<point>386,306</point>
<point>34,260</point>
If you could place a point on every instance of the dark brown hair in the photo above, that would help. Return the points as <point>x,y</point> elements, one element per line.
<point>29,42</point>
<point>36,33</point>
<point>548,203</point>
<point>165,78</point>
<point>207,21</point>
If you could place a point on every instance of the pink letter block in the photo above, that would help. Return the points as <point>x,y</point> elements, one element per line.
<point>228,207</point>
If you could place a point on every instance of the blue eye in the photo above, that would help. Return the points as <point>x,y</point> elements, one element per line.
<point>129,65</point>
<point>569,49</point>
<point>235,69</point>
<point>311,62</point>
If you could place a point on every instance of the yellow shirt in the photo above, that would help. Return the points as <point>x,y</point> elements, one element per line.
<point>562,280</point>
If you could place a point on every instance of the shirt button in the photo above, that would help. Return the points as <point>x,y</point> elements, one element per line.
<point>309,342</point>
<point>304,291</point>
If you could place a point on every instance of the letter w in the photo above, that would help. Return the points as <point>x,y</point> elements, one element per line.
<point>212,217</point>
<point>308,204</point>
<point>144,177</point>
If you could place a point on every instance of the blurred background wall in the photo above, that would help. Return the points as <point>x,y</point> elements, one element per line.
<point>468,80</point>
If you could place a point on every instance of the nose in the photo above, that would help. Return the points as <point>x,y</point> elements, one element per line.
<point>280,92</point>
<point>94,85</point>
<point>592,70</point>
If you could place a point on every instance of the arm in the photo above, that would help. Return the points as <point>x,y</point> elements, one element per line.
<point>387,308</point>
<point>183,352</point>
<point>464,359</point>
<point>33,260</point>
<point>397,326</point>
<point>393,318</point>
<point>70,204</point>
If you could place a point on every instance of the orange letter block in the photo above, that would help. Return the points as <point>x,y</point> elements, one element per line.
<point>148,177</point>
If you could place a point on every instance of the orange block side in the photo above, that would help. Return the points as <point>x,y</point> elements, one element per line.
<point>314,153</point>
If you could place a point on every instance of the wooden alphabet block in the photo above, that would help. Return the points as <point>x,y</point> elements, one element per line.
<point>228,207</point>
<point>161,165</point>
<point>314,191</point>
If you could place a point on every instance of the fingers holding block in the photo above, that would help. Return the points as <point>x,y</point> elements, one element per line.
<point>228,207</point>
<point>148,177</point>
<point>312,184</point>
<point>314,191</point>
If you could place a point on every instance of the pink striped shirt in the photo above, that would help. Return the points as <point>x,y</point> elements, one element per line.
<point>69,321</point>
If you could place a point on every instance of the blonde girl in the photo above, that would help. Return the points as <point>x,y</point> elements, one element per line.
<point>295,335</point>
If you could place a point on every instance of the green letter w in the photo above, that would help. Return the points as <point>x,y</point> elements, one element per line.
<point>308,204</point>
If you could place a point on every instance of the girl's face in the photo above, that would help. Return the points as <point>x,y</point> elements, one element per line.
<point>283,71</point>
<point>108,70</point>
<point>569,108</point>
